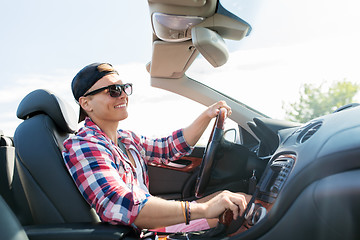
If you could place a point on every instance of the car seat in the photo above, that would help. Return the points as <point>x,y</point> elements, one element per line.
<point>10,186</point>
<point>51,193</point>
<point>10,227</point>
<point>7,161</point>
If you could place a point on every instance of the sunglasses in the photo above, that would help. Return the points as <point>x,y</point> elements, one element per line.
<point>114,90</point>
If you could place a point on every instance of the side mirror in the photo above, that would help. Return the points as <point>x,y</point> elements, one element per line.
<point>211,45</point>
<point>230,135</point>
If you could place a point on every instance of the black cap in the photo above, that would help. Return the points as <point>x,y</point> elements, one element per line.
<point>87,77</point>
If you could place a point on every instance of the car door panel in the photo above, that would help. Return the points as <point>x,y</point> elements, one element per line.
<point>173,181</point>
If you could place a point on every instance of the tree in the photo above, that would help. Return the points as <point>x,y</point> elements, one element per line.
<point>316,101</point>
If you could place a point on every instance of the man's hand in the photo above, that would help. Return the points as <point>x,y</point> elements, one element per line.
<point>214,109</point>
<point>226,200</point>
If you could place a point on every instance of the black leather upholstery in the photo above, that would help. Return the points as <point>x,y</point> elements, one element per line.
<point>10,228</point>
<point>10,186</point>
<point>50,191</point>
<point>43,101</point>
<point>7,160</point>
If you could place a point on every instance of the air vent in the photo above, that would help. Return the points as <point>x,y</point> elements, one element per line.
<point>309,132</point>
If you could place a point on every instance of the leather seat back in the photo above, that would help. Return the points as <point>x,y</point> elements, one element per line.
<point>10,186</point>
<point>7,161</point>
<point>52,195</point>
<point>10,228</point>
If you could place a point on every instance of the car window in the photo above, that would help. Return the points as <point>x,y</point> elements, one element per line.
<point>291,43</point>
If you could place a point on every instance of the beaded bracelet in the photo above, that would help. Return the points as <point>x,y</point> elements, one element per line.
<point>188,212</point>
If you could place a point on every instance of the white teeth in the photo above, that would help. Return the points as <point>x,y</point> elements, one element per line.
<point>120,106</point>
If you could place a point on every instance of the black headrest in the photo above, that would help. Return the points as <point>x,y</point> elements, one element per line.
<point>45,102</point>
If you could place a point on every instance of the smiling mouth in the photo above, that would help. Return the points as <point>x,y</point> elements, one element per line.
<point>120,105</point>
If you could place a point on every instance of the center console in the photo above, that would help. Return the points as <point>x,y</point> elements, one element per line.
<point>267,190</point>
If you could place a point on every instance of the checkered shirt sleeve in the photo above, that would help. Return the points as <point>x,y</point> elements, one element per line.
<point>158,150</point>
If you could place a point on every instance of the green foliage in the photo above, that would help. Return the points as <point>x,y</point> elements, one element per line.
<point>316,101</point>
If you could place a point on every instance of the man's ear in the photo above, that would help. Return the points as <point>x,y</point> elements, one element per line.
<point>84,103</point>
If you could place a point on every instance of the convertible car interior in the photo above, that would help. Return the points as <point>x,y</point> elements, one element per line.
<point>303,177</point>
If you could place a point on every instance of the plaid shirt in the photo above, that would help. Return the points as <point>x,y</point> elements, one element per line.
<point>104,175</point>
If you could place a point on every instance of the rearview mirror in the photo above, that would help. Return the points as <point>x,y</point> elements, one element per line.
<point>211,45</point>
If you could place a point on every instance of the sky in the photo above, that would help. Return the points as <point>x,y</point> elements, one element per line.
<point>45,43</point>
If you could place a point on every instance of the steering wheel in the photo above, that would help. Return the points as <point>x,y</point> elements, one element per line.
<point>209,154</point>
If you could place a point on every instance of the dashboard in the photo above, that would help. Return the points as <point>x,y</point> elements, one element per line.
<point>310,181</point>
